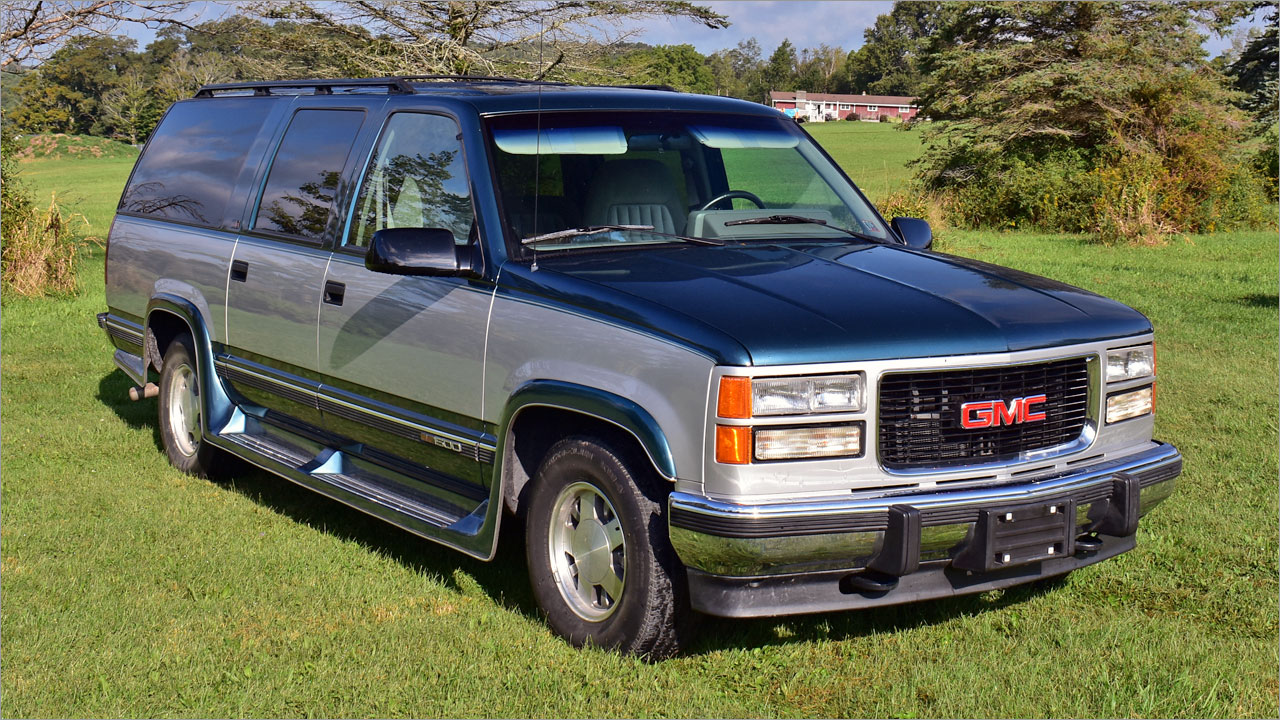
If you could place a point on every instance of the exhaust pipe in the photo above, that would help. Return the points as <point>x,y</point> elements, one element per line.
<point>149,390</point>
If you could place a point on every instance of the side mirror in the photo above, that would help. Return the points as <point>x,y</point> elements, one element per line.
<point>914,231</point>
<point>417,251</point>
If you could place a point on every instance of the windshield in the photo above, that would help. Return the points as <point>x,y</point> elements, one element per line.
<point>572,180</point>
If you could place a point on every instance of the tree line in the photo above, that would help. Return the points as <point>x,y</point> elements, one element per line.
<point>1103,117</point>
<point>103,84</point>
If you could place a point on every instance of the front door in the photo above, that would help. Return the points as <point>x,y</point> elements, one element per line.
<point>402,356</point>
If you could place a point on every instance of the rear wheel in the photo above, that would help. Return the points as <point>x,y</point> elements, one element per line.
<point>602,568</point>
<point>182,413</point>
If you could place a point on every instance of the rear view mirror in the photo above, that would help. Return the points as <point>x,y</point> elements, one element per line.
<point>417,251</point>
<point>914,231</point>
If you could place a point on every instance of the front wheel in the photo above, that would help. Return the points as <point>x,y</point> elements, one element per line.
<point>602,568</point>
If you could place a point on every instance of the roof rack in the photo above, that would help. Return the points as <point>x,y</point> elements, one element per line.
<point>396,85</point>
<point>393,85</point>
<point>480,78</point>
<point>663,88</point>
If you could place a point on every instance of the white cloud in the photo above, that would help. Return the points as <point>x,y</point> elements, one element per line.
<point>806,23</point>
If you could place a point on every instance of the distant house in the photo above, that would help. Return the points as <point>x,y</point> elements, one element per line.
<point>817,107</point>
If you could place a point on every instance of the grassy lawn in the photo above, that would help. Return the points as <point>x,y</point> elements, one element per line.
<point>132,590</point>
<point>875,155</point>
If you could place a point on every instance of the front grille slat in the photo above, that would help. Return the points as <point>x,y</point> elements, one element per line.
<point>920,413</point>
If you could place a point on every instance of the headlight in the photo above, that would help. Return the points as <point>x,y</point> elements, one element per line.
<point>808,395</point>
<point>1135,403</point>
<point>1131,363</point>
<point>822,441</point>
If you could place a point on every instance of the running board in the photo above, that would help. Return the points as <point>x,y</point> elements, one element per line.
<point>359,484</point>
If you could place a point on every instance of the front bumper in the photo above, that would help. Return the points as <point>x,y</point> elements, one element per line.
<point>813,556</point>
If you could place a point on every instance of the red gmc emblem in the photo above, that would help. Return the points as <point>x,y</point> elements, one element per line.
<point>994,413</point>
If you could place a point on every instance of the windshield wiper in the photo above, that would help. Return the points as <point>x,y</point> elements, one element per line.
<point>802,220</point>
<point>550,237</point>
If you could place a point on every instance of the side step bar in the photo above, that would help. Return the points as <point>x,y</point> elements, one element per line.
<point>352,482</point>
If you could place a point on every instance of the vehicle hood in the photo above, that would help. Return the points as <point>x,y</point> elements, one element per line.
<point>773,304</point>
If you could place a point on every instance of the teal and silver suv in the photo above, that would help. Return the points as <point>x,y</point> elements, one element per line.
<point>663,332</point>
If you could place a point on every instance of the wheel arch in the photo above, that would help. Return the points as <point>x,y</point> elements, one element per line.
<point>544,411</point>
<point>167,317</point>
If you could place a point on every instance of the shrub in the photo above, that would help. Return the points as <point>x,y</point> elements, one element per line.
<point>914,203</point>
<point>39,252</point>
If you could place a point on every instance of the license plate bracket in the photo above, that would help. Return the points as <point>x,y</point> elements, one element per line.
<point>1020,534</point>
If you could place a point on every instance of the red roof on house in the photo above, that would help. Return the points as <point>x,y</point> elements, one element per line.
<point>775,96</point>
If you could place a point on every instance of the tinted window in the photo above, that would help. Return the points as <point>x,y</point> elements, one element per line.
<point>416,178</point>
<point>189,168</point>
<point>298,198</point>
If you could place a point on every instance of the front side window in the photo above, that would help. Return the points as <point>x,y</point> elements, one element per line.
<point>415,179</point>
<point>298,197</point>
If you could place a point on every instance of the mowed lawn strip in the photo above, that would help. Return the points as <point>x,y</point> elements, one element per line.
<point>132,590</point>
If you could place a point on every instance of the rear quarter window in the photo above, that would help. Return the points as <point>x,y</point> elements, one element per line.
<point>188,170</point>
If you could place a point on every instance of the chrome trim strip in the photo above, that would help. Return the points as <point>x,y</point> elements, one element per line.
<point>1021,492</point>
<point>479,450</point>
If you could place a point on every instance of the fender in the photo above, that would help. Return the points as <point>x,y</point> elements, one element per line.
<point>216,405</point>
<point>600,404</point>
<point>596,403</point>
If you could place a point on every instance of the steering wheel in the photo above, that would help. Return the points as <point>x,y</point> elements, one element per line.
<point>730,195</point>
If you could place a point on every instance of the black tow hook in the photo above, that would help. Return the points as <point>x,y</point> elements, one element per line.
<point>868,581</point>
<point>1088,543</point>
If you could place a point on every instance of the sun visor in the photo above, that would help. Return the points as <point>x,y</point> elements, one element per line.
<point>727,138</point>
<point>562,141</point>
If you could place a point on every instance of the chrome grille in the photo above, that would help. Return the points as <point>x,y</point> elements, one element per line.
<point>920,413</point>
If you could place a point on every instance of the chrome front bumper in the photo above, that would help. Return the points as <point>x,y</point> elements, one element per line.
<point>732,541</point>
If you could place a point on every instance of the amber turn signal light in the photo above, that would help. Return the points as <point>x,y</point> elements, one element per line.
<point>735,397</point>
<point>733,445</point>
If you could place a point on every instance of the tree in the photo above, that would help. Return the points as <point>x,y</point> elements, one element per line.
<point>522,37</point>
<point>780,72</point>
<point>737,70</point>
<point>63,94</point>
<point>821,69</point>
<point>1103,114</point>
<point>1254,74</point>
<point>131,109</point>
<point>681,67</point>
<point>34,29</point>
<point>888,62</point>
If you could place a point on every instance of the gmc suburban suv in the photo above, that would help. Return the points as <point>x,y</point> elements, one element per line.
<point>663,333</point>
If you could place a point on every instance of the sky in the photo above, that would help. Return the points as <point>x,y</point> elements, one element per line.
<point>806,23</point>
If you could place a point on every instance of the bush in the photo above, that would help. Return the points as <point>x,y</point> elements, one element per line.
<point>1128,207</point>
<point>39,252</point>
<point>916,204</point>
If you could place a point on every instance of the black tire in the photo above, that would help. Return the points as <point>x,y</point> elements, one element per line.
<point>652,618</point>
<point>187,450</point>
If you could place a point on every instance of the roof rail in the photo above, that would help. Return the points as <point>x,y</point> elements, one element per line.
<point>664,88</point>
<point>480,78</point>
<point>393,85</point>
<point>397,85</point>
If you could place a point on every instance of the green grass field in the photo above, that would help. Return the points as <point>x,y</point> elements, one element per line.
<point>132,590</point>
<point>874,155</point>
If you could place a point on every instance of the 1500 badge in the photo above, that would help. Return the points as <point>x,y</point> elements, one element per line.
<point>994,413</point>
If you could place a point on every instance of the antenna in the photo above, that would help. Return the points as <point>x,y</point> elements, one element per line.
<point>537,154</point>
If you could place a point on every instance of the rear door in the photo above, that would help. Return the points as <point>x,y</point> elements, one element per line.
<point>402,355</point>
<point>277,270</point>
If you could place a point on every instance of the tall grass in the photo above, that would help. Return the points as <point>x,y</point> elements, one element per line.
<point>40,250</point>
